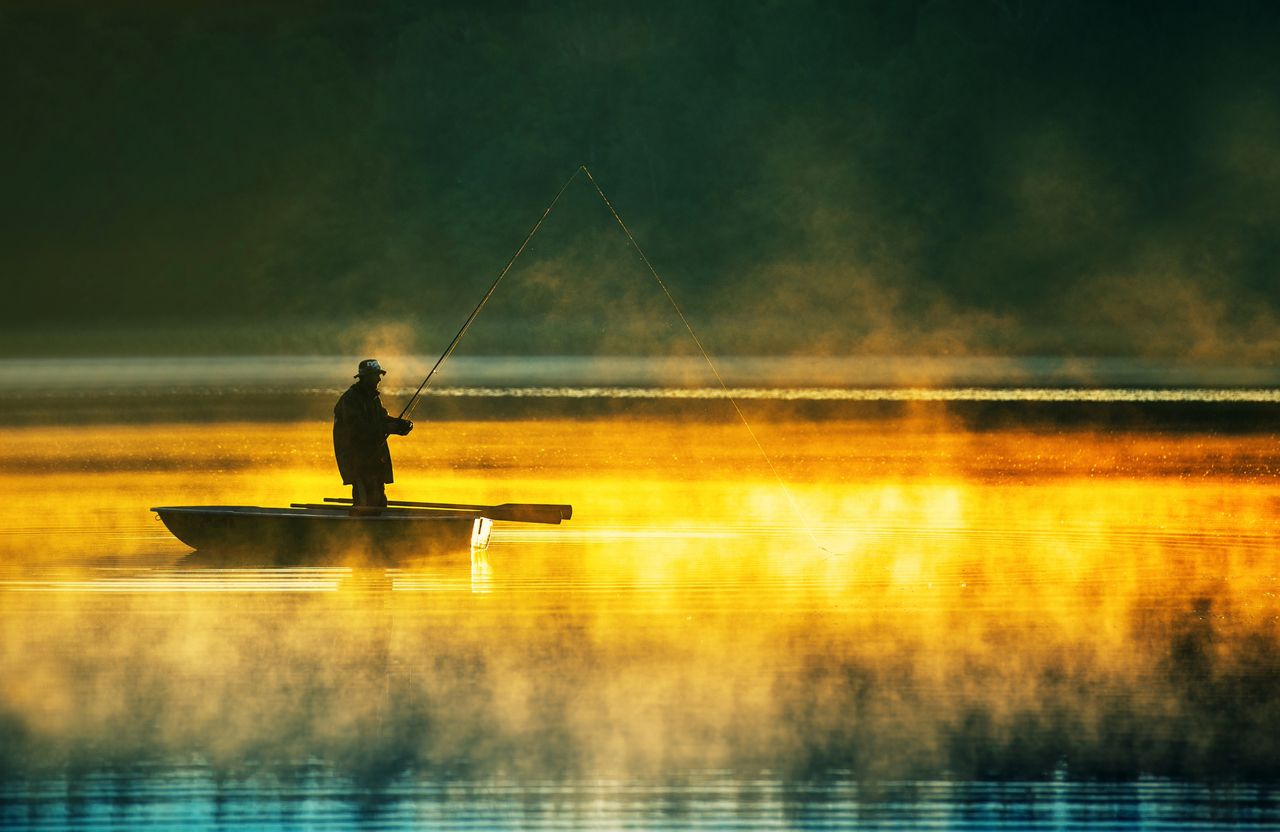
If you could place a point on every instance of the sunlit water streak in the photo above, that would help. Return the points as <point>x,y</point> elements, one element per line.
<point>838,394</point>
<point>189,580</point>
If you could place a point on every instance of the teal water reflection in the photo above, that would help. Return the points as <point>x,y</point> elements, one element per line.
<point>310,797</point>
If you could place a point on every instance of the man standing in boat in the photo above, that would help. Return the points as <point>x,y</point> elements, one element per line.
<point>360,429</point>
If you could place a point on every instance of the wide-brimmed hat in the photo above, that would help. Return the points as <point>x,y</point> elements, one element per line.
<point>368,367</point>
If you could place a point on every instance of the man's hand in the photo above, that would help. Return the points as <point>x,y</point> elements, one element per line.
<point>402,427</point>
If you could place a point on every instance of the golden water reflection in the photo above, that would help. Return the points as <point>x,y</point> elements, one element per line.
<point>922,603</point>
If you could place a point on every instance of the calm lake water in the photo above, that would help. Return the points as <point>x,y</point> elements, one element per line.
<point>928,626</point>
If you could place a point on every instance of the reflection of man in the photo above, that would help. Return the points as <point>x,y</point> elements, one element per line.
<point>360,428</point>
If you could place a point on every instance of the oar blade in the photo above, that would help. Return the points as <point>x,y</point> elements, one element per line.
<point>528,513</point>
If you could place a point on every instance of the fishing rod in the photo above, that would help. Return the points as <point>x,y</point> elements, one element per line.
<point>408,408</point>
<point>417,394</point>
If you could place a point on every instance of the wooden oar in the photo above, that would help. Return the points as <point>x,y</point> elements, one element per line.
<point>377,511</point>
<point>517,512</point>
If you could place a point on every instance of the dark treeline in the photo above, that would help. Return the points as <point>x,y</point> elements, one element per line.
<point>861,176</point>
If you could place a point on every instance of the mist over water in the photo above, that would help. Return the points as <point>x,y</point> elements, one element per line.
<point>1019,628</point>
<point>603,376</point>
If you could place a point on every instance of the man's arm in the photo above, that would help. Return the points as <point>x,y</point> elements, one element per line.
<point>393,424</point>
<point>400,427</point>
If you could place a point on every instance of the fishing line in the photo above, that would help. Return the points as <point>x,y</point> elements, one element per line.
<point>413,402</point>
<point>795,508</point>
<point>417,394</point>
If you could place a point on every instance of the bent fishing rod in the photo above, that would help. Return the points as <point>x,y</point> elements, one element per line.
<point>417,394</point>
<point>408,408</point>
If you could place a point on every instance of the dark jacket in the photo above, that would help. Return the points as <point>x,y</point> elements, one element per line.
<point>360,428</point>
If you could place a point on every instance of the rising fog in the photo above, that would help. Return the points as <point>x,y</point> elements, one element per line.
<point>1003,178</point>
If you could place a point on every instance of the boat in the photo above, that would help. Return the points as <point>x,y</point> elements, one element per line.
<point>335,528</point>
<point>326,532</point>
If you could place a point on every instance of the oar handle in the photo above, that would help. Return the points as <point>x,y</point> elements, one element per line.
<point>520,512</point>
<point>379,510</point>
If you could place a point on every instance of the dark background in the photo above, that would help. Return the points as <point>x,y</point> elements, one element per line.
<point>836,177</point>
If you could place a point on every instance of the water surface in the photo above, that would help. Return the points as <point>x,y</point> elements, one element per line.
<point>925,626</point>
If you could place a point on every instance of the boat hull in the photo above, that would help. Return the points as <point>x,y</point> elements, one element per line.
<point>327,533</point>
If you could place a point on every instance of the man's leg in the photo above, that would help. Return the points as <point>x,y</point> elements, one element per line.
<point>368,492</point>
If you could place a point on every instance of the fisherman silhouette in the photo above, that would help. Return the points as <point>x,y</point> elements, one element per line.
<point>360,429</point>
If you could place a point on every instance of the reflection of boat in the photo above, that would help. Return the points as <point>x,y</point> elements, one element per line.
<point>327,531</point>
